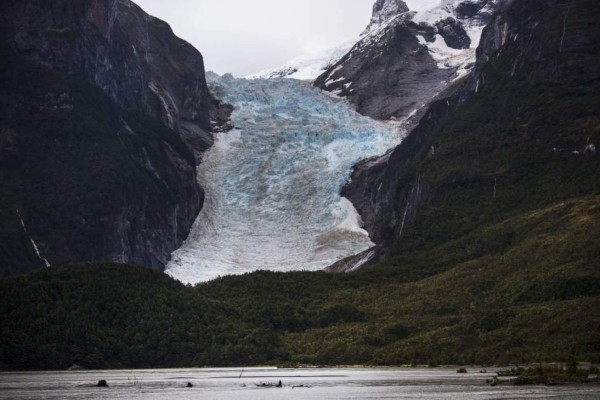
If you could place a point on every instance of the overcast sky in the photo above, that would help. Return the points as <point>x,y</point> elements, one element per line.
<point>246,36</point>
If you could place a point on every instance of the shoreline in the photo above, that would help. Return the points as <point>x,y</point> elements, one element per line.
<point>471,368</point>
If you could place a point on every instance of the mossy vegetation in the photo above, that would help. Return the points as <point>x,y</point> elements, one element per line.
<point>488,309</point>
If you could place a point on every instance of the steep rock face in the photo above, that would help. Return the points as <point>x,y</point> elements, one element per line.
<point>103,111</point>
<point>384,11</point>
<point>511,139</point>
<point>378,74</point>
<point>387,191</point>
<point>471,9</point>
<point>454,33</point>
<point>405,58</point>
<point>133,57</point>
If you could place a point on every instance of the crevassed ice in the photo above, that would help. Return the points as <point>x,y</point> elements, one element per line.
<point>273,183</point>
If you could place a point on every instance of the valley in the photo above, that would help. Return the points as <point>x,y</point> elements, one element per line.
<point>469,175</point>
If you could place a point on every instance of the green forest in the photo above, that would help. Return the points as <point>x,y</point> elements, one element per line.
<point>513,304</point>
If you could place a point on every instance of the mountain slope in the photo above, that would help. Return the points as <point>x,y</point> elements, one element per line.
<point>104,115</point>
<point>518,135</point>
<point>405,58</point>
<point>496,262</point>
<point>514,305</point>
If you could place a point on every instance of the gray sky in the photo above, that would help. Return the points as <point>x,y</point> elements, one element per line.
<point>246,36</point>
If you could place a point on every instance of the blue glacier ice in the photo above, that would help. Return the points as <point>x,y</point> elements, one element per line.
<point>273,183</point>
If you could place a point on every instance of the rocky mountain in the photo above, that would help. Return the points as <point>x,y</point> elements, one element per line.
<point>405,58</point>
<point>486,219</point>
<point>105,113</point>
<point>517,138</point>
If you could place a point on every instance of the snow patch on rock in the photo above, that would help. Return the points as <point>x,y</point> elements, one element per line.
<point>430,12</point>
<point>308,66</point>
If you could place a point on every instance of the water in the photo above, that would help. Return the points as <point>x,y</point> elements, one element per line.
<point>273,183</point>
<point>225,384</point>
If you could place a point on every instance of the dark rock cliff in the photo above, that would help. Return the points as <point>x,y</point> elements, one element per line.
<point>518,134</point>
<point>454,33</point>
<point>390,73</point>
<point>104,114</point>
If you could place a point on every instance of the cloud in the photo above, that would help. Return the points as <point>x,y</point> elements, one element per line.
<point>245,36</point>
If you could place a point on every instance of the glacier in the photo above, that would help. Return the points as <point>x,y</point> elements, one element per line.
<point>273,183</point>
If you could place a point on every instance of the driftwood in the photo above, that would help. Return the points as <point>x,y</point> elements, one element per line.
<point>269,384</point>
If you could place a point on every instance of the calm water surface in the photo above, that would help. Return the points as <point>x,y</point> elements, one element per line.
<point>226,384</point>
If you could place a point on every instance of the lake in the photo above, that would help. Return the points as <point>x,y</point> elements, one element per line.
<point>319,383</point>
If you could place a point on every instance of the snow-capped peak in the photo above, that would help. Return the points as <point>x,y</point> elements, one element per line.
<point>311,66</point>
<point>435,16</point>
<point>308,66</point>
<point>384,11</point>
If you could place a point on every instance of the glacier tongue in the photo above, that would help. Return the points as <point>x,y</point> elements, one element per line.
<point>272,184</point>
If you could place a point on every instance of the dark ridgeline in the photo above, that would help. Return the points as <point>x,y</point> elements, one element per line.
<point>105,113</point>
<point>516,136</point>
<point>392,74</point>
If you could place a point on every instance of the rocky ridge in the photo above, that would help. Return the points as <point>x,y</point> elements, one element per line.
<point>405,58</point>
<point>105,113</point>
<point>525,56</point>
